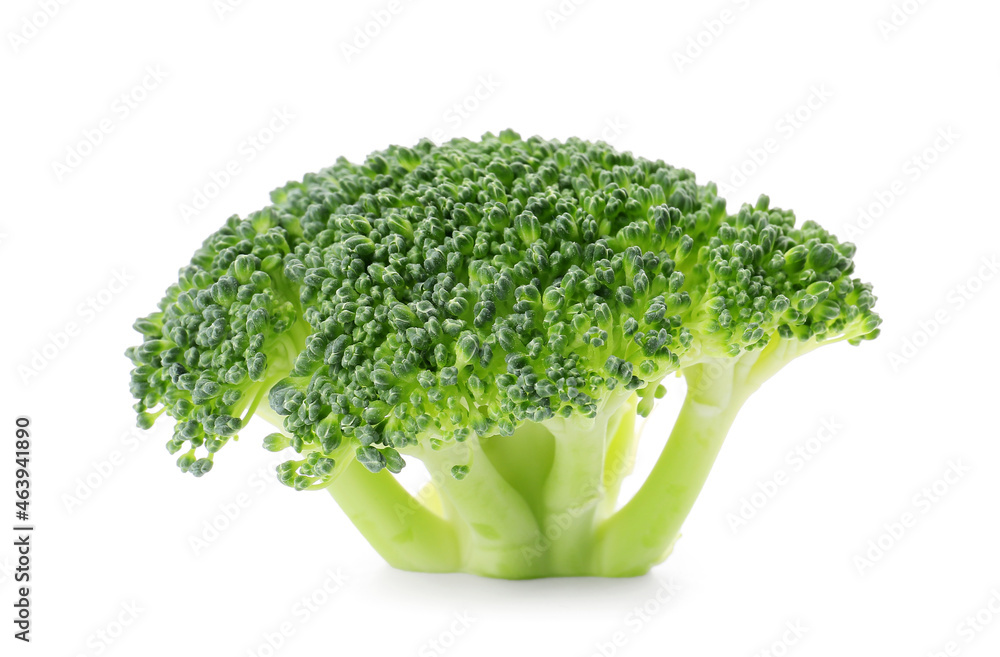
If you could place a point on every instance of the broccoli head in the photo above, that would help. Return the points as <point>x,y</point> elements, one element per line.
<point>500,310</point>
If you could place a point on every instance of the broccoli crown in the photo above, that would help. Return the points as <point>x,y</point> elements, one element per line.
<point>436,292</point>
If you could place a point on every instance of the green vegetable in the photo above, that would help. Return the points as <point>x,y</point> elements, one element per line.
<point>501,310</point>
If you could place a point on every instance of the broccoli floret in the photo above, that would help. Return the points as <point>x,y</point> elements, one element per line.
<point>501,310</point>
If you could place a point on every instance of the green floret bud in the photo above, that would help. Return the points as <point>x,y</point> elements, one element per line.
<point>276,442</point>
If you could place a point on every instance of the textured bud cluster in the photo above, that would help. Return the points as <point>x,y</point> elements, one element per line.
<point>436,292</point>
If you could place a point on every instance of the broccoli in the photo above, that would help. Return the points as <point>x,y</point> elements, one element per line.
<point>501,310</point>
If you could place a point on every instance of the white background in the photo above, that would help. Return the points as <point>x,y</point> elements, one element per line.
<point>824,106</point>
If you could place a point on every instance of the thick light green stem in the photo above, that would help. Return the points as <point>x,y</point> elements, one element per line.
<point>526,475</point>
<point>540,503</point>
<point>407,534</point>
<point>496,526</point>
<point>575,487</point>
<point>642,533</point>
<point>619,458</point>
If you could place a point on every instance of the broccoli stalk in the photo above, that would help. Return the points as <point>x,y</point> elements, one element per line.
<point>502,311</point>
<point>560,519</point>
